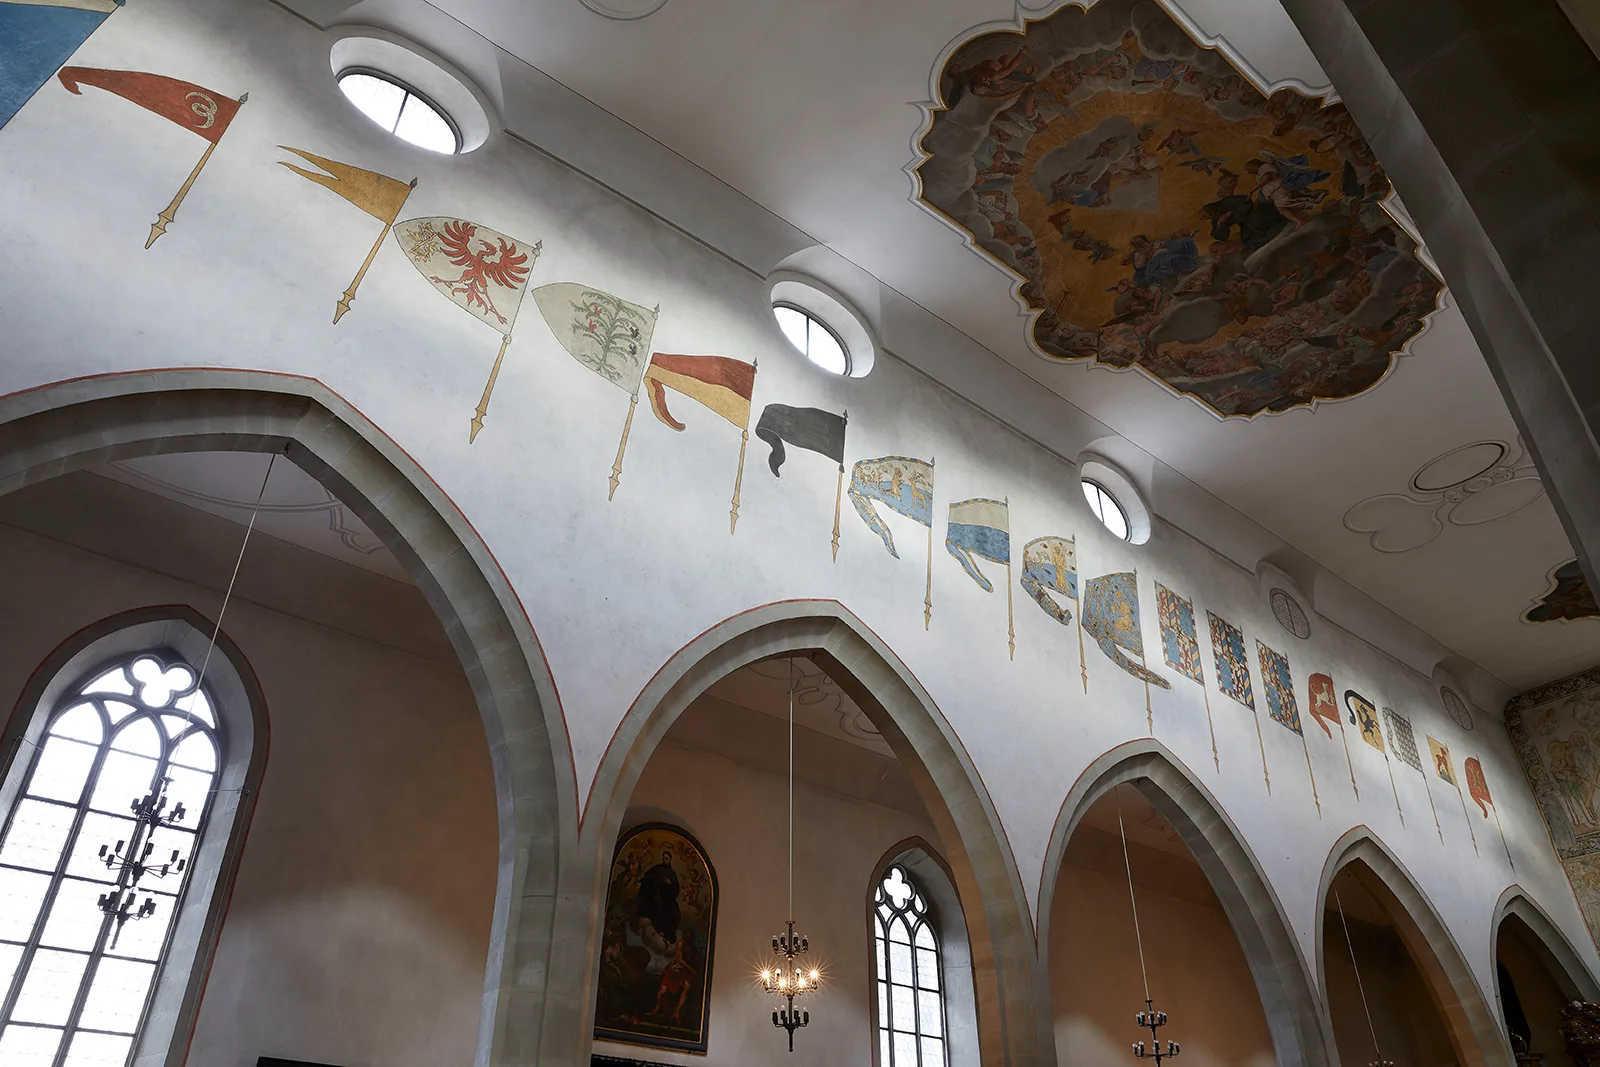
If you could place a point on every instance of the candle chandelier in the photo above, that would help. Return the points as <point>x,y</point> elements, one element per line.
<point>786,976</point>
<point>130,859</point>
<point>1148,1019</point>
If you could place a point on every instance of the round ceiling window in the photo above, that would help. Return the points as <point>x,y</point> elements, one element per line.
<point>1106,509</point>
<point>401,110</point>
<point>812,338</point>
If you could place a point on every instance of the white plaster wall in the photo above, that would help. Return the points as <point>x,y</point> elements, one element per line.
<point>248,275</point>
<point>359,923</point>
<point>737,814</point>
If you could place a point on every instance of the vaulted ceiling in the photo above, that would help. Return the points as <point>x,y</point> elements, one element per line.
<point>871,129</point>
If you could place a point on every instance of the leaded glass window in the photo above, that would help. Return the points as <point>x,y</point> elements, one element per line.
<point>89,888</point>
<point>911,1015</point>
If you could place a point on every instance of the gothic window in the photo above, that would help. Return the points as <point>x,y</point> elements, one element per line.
<point>910,986</point>
<point>94,858</point>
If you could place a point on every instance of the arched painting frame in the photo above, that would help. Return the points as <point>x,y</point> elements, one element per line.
<point>659,941</point>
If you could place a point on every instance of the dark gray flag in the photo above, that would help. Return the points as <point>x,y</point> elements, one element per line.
<point>812,429</point>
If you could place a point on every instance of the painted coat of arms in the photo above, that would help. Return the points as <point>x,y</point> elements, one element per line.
<point>1233,669</point>
<point>656,952</point>
<point>1164,214</point>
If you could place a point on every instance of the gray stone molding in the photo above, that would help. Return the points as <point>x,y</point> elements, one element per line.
<point>1013,1020</point>
<point>1566,967</point>
<point>66,426</point>
<point>1475,1029</point>
<point>1289,998</point>
<point>242,729</point>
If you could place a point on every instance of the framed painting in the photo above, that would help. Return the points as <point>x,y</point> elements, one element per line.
<point>657,948</point>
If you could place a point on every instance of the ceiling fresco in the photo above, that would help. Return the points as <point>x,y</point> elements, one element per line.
<point>1164,214</point>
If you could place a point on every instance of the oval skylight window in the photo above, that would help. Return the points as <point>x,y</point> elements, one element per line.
<point>400,110</point>
<point>812,338</point>
<point>1106,509</point>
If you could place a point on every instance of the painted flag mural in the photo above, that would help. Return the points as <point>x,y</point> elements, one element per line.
<point>1403,743</point>
<point>722,384</point>
<point>1324,709</point>
<point>1278,688</point>
<point>813,430</point>
<point>606,334</point>
<point>979,527</point>
<point>982,527</point>
<point>1050,565</point>
<point>1180,647</point>
<point>1111,619</point>
<point>202,112</point>
<point>1364,716</point>
<point>378,195</point>
<point>36,38</point>
<point>1444,767</point>
<point>1478,785</point>
<point>904,485</point>
<point>1233,669</point>
<point>481,271</point>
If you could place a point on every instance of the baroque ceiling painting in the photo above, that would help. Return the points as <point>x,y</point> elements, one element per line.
<point>1165,215</point>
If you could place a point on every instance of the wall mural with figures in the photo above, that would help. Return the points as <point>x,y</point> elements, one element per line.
<point>1163,214</point>
<point>556,308</point>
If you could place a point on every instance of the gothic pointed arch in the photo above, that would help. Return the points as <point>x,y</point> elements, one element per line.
<point>1012,1029</point>
<point>65,426</point>
<point>1471,1022</point>
<point>1288,996</point>
<point>1559,956</point>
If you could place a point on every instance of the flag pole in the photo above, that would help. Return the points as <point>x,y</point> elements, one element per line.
<point>164,219</point>
<point>738,480</point>
<point>1387,762</point>
<point>1345,737</point>
<point>1083,661</point>
<point>927,598</point>
<point>1437,828</point>
<point>1205,691</point>
<point>1266,774</point>
<point>1011,618</point>
<point>1502,830</point>
<point>838,495</point>
<point>488,388</point>
<point>1470,833</point>
<point>350,293</point>
<point>622,445</point>
<point>1309,772</point>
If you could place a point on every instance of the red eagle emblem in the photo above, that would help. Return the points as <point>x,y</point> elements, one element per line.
<point>500,263</point>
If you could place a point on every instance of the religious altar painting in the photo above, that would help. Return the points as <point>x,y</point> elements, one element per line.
<point>1556,732</point>
<point>1165,215</point>
<point>1569,597</point>
<point>656,951</point>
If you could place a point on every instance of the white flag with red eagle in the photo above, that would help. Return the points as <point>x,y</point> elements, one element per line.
<point>482,271</point>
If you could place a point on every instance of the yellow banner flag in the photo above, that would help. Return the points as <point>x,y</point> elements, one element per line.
<point>377,194</point>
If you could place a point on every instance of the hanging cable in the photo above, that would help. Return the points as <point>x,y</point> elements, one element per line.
<point>237,563</point>
<point>791,787</point>
<point>1126,862</point>
<point>1373,1030</point>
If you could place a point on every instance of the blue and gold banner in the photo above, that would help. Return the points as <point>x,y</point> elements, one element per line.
<point>1111,617</point>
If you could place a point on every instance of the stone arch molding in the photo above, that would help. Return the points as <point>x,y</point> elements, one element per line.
<point>1474,1027</point>
<point>1576,980</point>
<point>1289,998</point>
<point>1012,1029</point>
<point>63,427</point>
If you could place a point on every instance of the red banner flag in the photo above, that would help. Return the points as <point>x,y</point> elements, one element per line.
<point>194,108</point>
<point>1478,786</point>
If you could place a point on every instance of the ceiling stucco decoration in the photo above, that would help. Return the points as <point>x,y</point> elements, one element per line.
<point>1164,214</point>
<point>1568,599</point>
<point>625,10</point>
<point>814,689</point>
<point>1466,486</point>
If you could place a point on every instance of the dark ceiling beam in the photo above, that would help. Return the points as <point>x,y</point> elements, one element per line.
<point>1487,118</point>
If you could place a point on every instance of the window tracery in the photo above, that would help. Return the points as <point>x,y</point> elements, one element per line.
<point>89,888</point>
<point>908,977</point>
